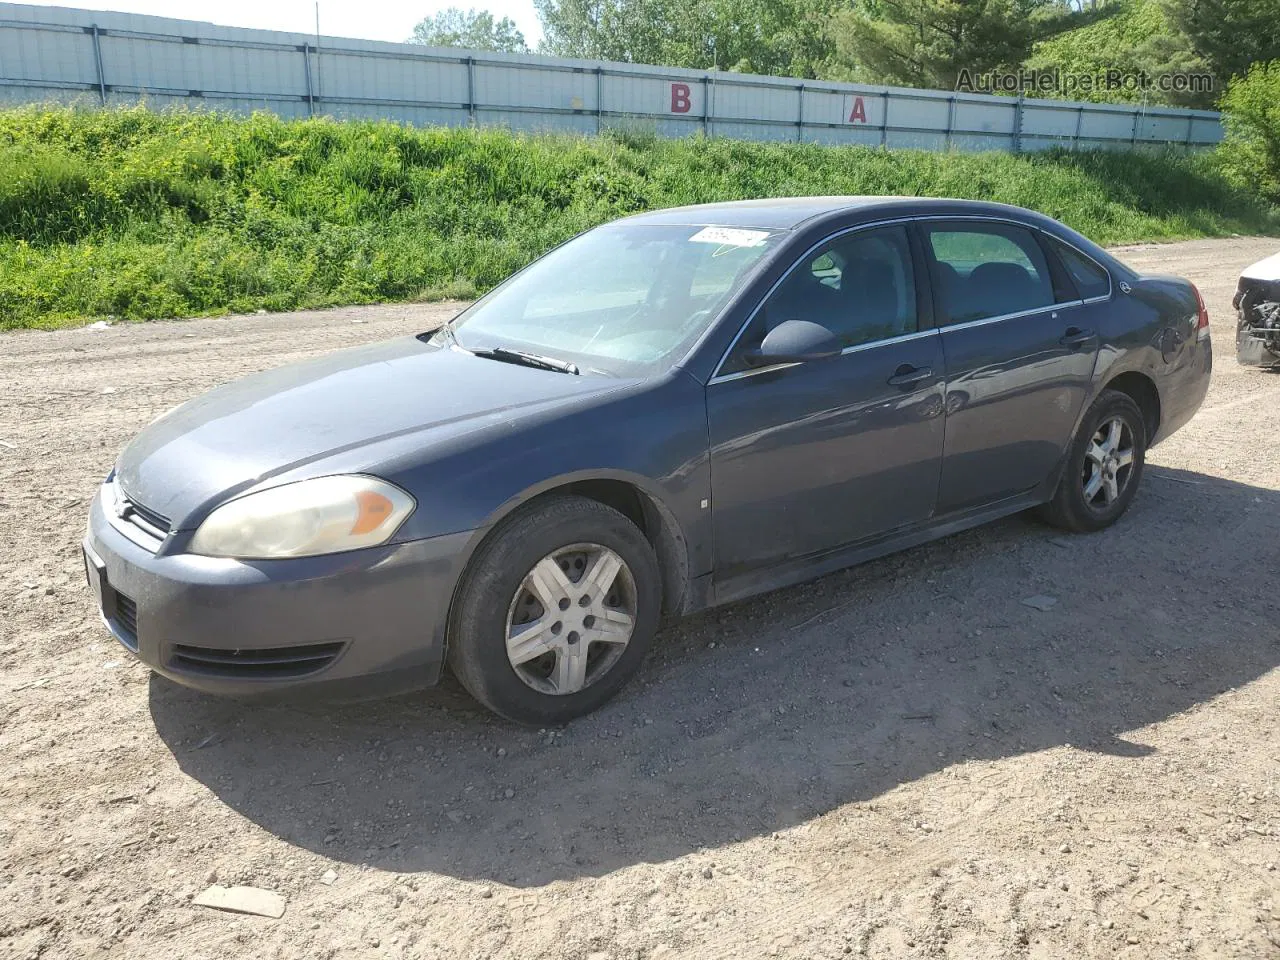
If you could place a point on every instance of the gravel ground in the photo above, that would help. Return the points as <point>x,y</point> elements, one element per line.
<point>901,760</point>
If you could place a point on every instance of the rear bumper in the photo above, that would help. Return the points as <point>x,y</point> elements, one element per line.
<point>368,621</point>
<point>1184,390</point>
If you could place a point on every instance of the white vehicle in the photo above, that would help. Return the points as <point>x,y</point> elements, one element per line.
<point>1257,303</point>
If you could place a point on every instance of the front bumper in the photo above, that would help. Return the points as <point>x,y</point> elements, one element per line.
<point>369,620</point>
<point>1251,349</point>
<point>1256,343</point>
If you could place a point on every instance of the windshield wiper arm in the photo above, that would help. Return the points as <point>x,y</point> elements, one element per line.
<point>529,359</point>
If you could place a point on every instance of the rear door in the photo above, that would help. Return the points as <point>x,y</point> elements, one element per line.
<point>1020,353</point>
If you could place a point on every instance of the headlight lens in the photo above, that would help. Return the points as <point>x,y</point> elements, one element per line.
<point>305,519</point>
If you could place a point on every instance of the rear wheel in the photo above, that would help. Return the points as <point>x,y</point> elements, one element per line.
<point>557,611</point>
<point>1104,466</point>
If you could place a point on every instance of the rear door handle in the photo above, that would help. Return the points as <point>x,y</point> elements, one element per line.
<point>907,375</point>
<point>1075,337</point>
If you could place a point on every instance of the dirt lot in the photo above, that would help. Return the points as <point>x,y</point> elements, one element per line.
<point>896,761</point>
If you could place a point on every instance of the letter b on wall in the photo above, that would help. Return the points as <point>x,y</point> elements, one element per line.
<point>681,99</point>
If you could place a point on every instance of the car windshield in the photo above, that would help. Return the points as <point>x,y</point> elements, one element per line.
<point>623,299</point>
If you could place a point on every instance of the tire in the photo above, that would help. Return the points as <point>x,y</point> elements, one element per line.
<point>1071,507</point>
<point>504,605</point>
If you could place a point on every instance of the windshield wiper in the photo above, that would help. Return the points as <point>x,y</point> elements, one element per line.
<point>508,355</point>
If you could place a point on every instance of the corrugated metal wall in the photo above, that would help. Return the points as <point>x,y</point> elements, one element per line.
<point>54,53</point>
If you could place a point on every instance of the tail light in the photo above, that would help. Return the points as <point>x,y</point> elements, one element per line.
<point>1202,315</point>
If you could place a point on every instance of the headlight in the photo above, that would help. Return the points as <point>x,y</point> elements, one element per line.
<point>324,515</point>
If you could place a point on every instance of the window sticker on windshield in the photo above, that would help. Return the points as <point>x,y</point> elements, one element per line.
<point>731,236</point>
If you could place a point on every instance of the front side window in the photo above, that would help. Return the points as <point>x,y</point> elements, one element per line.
<point>624,299</point>
<point>989,270</point>
<point>1090,279</point>
<point>859,286</point>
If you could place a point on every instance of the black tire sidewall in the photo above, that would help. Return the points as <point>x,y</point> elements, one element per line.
<point>1071,499</point>
<point>477,646</point>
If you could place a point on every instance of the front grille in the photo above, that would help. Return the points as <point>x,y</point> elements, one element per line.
<point>127,619</point>
<point>128,510</point>
<point>148,520</point>
<point>273,662</point>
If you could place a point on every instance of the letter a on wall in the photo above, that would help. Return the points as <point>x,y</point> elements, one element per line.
<point>681,100</point>
<point>858,113</point>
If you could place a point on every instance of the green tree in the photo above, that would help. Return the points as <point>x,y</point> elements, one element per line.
<point>1132,36</point>
<point>472,29</point>
<point>926,43</point>
<point>1251,107</point>
<point>1230,35</point>
<point>781,37</point>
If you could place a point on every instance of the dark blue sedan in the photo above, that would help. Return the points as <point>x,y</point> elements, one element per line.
<point>669,412</point>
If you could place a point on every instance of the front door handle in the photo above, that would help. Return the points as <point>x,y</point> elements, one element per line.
<point>1075,337</point>
<point>907,375</point>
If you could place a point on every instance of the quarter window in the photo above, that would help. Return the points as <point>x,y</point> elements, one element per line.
<point>1090,279</point>
<point>860,287</point>
<point>989,270</point>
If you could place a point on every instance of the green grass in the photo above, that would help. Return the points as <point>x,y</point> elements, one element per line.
<point>136,214</point>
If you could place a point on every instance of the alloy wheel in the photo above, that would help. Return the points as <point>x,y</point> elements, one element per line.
<point>1108,463</point>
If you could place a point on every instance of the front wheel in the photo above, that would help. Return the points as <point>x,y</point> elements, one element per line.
<point>1104,466</point>
<point>556,612</point>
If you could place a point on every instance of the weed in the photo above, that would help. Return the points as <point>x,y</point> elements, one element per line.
<point>142,214</point>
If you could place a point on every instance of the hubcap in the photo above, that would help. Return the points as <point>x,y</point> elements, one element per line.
<point>571,619</point>
<point>1108,463</point>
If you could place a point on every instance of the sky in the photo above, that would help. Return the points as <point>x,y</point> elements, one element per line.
<point>366,19</point>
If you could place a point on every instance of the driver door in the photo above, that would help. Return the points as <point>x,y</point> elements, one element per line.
<point>809,457</point>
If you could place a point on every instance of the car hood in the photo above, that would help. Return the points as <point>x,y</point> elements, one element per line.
<point>1266,269</point>
<point>240,434</point>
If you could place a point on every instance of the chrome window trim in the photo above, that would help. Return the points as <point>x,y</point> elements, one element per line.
<point>900,338</point>
<point>1023,313</point>
<point>1009,316</point>
<point>1111,283</point>
<point>937,327</point>
<point>855,348</point>
<point>743,374</point>
<point>719,377</point>
<point>975,216</point>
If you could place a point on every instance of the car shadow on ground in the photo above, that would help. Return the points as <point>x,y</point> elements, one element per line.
<point>763,715</point>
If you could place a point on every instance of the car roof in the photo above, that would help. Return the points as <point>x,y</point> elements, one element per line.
<point>787,213</point>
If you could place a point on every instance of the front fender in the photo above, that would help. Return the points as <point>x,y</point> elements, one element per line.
<point>679,552</point>
<point>653,439</point>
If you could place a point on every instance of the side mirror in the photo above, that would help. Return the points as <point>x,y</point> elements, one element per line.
<point>795,341</point>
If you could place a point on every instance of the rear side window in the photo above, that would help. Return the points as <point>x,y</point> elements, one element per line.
<point>988,270</point>
<point>1090,279</point>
